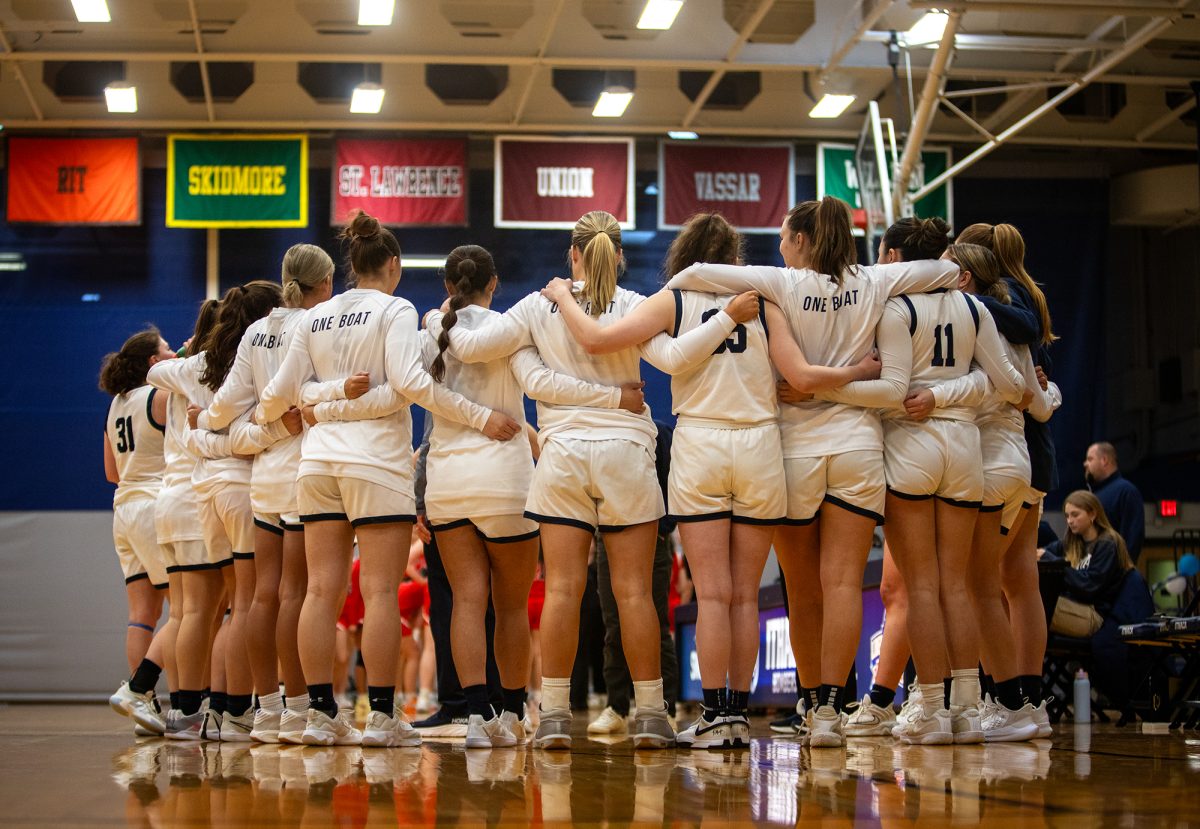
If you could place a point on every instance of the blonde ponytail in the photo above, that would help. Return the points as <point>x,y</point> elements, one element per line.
<point>304,268</point>
<point>597,236</point>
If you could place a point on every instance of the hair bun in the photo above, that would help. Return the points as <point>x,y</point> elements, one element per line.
<point>364,226</point>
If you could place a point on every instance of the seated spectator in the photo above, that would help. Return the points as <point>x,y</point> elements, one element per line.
<point>1098,563</point>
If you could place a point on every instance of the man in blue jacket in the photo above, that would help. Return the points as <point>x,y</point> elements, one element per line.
<point>1121,499</point>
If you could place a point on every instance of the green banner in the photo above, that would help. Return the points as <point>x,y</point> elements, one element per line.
<point>837,176</point>
<point>237,181</point>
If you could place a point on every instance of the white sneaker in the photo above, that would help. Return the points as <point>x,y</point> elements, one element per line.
<point>141,731</point>
<point>147,716</point>
<point>826,728</point>
<point>292,725</point>
<point>266,726</point>
<point>653,729</point>
<point>236,729</point>
<point>912,705</point>
<point>927,728</point>
<point>1003,725</point>
<point>323,730</point>
<point>707,733</point>
<point>1041,718</point>
<point>382,730</point>
<point>739,729</point>
<point>124,697</point>
<point>554,729</point>
<point>182,726</point>
<point>510,732</point>
<point>491,733</point>
<point>966,725</point>
<point>211,729</point>
<point>609,722</point>
<point>870,720</point>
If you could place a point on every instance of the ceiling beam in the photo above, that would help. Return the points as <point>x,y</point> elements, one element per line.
<point>1158,125</point>
<point>868,21</point>
<point>204,80</point>
<point>1140,38</point>
<point>21,79</point>
<point>743,37</point>
<point>315,127</point>
<point>1047,7</point>
<point>551,23</point>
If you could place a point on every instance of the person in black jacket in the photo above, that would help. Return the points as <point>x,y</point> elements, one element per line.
<point>1121,499</point>
<point>1098,559</point>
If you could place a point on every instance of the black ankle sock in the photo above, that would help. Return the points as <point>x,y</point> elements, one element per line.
<point>715,700</point>
<point>811,697</point>
<point>189,701</point>
<point>987,685</point>
<point>513,699</point>
<point>739,702</point>
<point>1031,687</point>
<point>145,677</point>
<point>1008,694</point>
<point>383,698</point>
<point>832,695</point>
<point>216,702</point>
<point>477,701</point>
<point>238,704</point>
<point>946,692</point>
<point>321,698</point>
<point>883,697</point>
<point>174,697</point>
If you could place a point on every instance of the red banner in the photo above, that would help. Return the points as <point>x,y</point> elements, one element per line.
<point>93,181</point>
<point>551,182</point>
<point>401,182</point>
<point>751,185</point>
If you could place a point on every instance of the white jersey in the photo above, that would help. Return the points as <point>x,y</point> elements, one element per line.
<point>736,385</point>
<point>215,465</point>
<point>993,410</point>
<point>137,444</point>
<point>535,321</point>
<point>834,325</point>
<point>362,330</point>
<point>175,515</point>
<point>259,355</point>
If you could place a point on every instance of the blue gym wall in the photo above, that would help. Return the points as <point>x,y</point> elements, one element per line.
<point>52,413</point>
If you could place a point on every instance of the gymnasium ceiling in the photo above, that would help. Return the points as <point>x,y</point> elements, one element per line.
<point>501,66</point>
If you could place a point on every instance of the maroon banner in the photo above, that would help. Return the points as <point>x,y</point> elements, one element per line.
<point>551,182</point>
<point>752,185</point>
<point>401,182</point>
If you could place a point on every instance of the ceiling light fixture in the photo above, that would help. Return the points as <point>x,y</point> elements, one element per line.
<point>375,12</point>
<point>831,106</point>
<point>121,97</point>
<point>927,30</point>
<point>91,11</point>
<point>367,99</point>
<point>659,14</point>
<point>682,135</point>
<point>431,262</point>
<point>612,102</point>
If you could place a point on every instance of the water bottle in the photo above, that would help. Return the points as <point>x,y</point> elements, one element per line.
<point>1083,697</point>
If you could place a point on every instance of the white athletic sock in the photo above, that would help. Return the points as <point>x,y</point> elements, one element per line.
<point>648,695</point>
<point>964,688</point>
<point>271,702</point>
<point>933,697</point>
<point>298,703</point>
<point>556,693</point>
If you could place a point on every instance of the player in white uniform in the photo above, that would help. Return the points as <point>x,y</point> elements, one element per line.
<point>133,460</point>
<point>908,239</point>
<point>935,487</point>
<point>356,477</point>
<point>1006,471</point>
<point>1028,322</point>
<point>475,500</point>
<point>280,574</point>
<point>833,452</point>
<point>726,485</point>
<point>596,471</point>
<point>221,481</point>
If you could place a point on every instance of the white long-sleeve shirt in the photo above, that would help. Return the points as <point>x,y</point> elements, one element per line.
<point>927,339</point>
<point>834,325</point>
<point>992,410</point>
<point>215,465</point>
<point>362,330</point>
<point>535,321</point>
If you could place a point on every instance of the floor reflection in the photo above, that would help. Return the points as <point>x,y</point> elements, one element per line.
<point>775,782</point>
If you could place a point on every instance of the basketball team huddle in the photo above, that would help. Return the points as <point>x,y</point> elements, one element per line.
<point>813,402</point>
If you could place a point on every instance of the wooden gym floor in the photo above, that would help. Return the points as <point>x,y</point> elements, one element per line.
<point>80,765</point>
